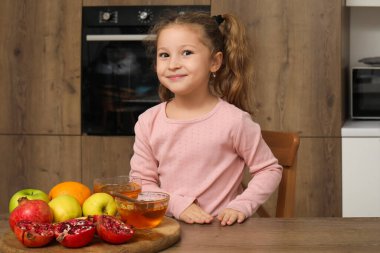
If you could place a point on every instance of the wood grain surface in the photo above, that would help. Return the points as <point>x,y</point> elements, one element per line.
<point>277,235</point>
<point>274,235</point>
<point>145,240</point>
<point>40,67</point>
<point>38,162</point>
<point>298,65</point>
<point>105,156</point>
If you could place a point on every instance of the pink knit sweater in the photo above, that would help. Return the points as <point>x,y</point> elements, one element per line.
<point>203,159</point>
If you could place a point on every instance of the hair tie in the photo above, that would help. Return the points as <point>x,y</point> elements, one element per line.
<point>219,19</point>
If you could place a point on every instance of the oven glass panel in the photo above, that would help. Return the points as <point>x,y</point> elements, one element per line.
<point>122,84</point>
<point>366,93</point>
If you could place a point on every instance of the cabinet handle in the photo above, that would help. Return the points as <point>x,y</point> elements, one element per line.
<point>120,37</point>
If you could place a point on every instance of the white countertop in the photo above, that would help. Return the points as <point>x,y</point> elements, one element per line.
<point>363,3</point>
<point>361,128</point>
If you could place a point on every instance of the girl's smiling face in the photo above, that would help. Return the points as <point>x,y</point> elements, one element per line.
<point>184,61</point>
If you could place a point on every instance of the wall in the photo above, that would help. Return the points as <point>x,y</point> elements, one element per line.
<point>364,34</point>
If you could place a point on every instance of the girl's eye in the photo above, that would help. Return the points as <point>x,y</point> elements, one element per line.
<point>187,52</point>
<point>163,55</point>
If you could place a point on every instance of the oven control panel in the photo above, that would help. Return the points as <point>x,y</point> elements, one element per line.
<point>108,16</point>
<point>125,16</point>
<point>145,16</point>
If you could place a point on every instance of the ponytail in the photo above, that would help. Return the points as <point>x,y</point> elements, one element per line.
<point>234,79</point>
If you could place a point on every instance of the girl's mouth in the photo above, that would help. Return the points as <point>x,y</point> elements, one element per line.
<point>176,77</point>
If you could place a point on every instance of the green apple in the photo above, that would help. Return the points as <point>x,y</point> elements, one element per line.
<point>99,203</point>
<point>28,193</point>
<point>65,207</point>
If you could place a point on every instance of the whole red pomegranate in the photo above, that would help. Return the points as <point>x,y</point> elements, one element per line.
<point>34,234</point>
<point>31,210</point>
<point>113,230</point>
<point>74,233</point>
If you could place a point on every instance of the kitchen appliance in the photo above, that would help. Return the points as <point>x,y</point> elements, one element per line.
<point>118,79</point>
<point>365,93</point>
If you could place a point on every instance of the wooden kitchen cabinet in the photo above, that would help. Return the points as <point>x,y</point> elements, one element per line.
<point>39,94</point>
<point>319,177</point>
<point>104,156</point>
<point>299,60</point>
<point>37,162</point>
<point>40,66</point>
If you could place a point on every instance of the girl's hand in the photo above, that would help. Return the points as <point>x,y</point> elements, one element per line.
<point>195,214</point>
<point>229,216</point>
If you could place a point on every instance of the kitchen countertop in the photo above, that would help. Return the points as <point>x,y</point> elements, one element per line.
<point>361,128</point>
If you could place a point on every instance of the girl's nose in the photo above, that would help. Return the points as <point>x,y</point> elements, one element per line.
<point>174,62</point>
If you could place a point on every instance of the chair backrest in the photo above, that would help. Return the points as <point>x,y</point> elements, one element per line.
<point>284,146</point>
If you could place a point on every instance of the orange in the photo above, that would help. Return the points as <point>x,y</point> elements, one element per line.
<point>78,190</point>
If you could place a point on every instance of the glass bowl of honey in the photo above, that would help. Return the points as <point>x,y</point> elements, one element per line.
<point>126,185</point>
<point>147,211</point>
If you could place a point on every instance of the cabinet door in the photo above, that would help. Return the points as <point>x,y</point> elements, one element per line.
<point>361,177</point>
<point>319,185</point>
<point>297,62</point>
<point>297,66</point>
<point>38,162</point>
<point>40,66</point>
<point>105,157</point>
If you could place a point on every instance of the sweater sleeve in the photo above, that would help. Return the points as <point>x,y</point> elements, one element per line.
<point>145,166</point>
<point>263,166</point>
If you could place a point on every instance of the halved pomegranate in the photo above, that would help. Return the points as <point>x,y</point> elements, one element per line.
<point>75,233</point>
<point>112,230</point>
<point>34,234</point>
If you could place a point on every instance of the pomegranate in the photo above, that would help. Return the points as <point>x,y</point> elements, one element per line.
<point>31,210</point>
<point>74,233</point>
<point>112,230</point>
<point>34,234</point>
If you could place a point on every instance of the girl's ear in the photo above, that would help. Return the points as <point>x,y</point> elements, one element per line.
<point>216,62</point>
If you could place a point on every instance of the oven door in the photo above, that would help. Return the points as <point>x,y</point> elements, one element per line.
<point>366,93</point>
<point>119,83</point>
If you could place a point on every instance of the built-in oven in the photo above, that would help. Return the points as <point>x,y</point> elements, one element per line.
<point>118,79</point>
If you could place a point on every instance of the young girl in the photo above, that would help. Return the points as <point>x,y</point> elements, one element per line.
<point>196,143</point>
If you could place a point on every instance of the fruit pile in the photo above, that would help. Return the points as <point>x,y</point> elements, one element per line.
<point>70,214</point>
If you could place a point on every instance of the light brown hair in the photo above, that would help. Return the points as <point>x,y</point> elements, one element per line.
<point>226,34</point>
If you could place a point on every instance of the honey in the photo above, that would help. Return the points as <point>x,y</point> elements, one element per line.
<point>148,212</point>
<point>130,189</point>
<point>142,218</point>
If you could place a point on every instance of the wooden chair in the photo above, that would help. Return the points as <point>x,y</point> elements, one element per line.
<point>284,146</point>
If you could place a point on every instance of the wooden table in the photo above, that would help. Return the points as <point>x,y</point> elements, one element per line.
<point>277,235</point>
<point>283,235</point>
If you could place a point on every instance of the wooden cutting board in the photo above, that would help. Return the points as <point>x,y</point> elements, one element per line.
<point>146,240</point>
